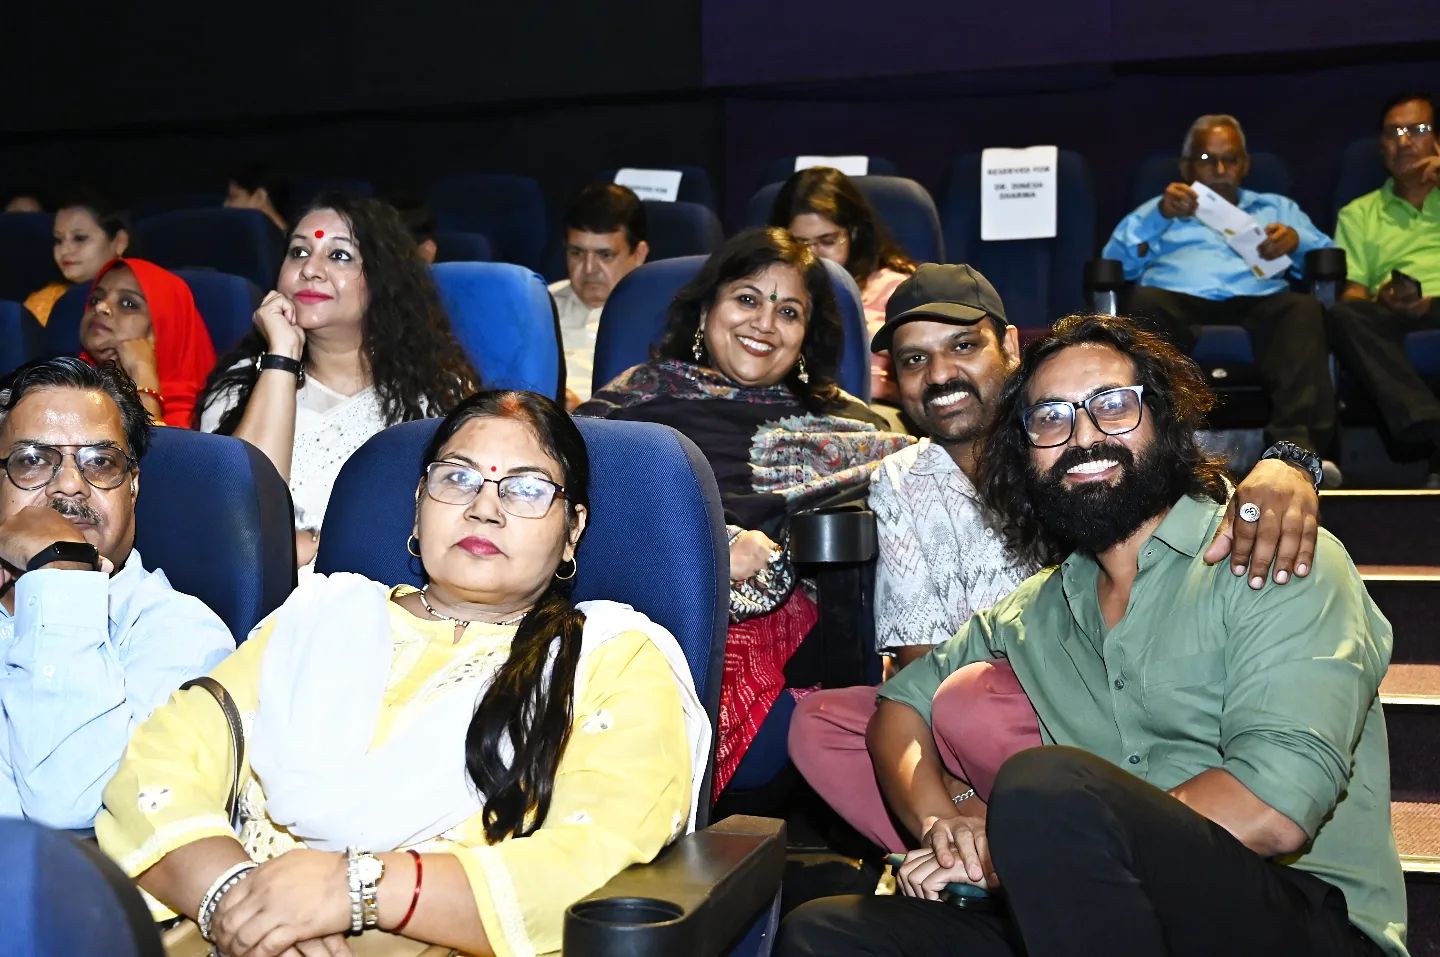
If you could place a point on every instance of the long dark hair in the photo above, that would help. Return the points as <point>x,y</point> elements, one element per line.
<point>747,254</point>
<point>521,706</point>
<point>414,359</point>
<point>1175,393</point>
<point>830,193</point>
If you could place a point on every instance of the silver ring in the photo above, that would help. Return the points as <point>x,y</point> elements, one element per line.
<point>1250,512</point>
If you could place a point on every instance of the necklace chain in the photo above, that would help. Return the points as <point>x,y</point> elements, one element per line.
<point>465,621</point>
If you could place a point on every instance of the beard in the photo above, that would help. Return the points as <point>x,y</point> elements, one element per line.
<point>1094,516</point>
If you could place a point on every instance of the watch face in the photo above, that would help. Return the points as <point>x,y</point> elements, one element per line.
<point>371,869</point>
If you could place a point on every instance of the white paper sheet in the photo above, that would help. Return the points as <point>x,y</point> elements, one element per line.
<point>849,165</point>
<point>657,184</point>
<point>1018,193</point>
<point>1242,233</point>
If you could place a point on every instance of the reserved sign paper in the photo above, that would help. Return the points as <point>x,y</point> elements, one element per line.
<point>658,184</point>
<point>1018,193</point>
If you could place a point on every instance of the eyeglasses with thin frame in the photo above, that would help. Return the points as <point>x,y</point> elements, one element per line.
<point>1216,160</point>
<point>524,496</point>
<point>1114,412</point>
<point>35,465</point>
<point>1414,131</point>
<point>828,241</point>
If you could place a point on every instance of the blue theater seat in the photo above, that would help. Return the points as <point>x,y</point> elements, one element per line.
<point>681,229</point>
<point>1268,174</point>
<point>1361,171</point>
<point>779,169</point>
<point>157,203</point>
<point>216,516</point>
<point>27,261</point>
<point>505,320</point>
<point>462,248</point>
<point>635,315</point>
<point>903,205</point>
<point>713,886</point>
<point>65,898</point>
<point>19,336</point>
<point>1039,279</point>
<point>694,182</point>
<point>60,336</point>
<point>303,191</point>
<point>508,210</point>
<point>241,242</point>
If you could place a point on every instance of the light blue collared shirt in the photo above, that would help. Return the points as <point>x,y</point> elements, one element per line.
<point>85,658</point>
<point>1184,255</point>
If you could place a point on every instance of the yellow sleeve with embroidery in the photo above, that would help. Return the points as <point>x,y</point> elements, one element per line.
<point>622,792</point>
<point>172,784</point>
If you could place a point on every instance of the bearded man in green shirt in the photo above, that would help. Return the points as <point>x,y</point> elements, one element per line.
<point>1215,775</point>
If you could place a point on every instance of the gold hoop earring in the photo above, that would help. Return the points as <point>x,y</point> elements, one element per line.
<point>412,545</point>
<point>698,349</point>
<point>574,567</point>
<point>800,372</point>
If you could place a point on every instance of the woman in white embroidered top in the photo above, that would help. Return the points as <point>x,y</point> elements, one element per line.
<point>353,338</point>
<point>501,751</point>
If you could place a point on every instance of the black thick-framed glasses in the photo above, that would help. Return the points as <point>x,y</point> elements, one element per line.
<point>524,496</point>
<point>1114,412</point>
<point>35,465</point>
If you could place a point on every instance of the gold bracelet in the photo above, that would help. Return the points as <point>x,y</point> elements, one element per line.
<point>154,395</point>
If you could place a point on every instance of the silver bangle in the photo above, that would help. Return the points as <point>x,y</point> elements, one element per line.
<point>961,798</point>
<point>211,901</point>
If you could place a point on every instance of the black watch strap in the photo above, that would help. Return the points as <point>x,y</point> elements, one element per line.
<point>295,367</point>
<point>1297,455</point>
<point>65,552</point>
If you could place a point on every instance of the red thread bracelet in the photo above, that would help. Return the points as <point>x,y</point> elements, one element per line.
<point>415,897</point>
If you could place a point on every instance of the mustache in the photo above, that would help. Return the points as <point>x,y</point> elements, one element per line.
<point>72,509</point>
<point>1073,456</point>
<point>957,384</point>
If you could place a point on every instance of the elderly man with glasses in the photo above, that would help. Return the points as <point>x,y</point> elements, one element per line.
<point>1391,239</point>
<point>1187,276</point>
<point>90,641</point>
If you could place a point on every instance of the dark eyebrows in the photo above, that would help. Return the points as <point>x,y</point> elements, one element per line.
<point>97,444</point>
<point>1088,396</point>
<point>517,470</point>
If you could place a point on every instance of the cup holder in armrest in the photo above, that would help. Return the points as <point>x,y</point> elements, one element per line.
<point>843,533</point>
<point>629,911</point>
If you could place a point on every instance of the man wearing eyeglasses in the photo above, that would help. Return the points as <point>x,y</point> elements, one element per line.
<point>1214,777</point>
<point>1391,239</point>
<point>90,640</point>
<point>1186,276</point>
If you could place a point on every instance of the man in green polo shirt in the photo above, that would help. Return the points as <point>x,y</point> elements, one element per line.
<point>1217,775</point>
<point>1395,229</point>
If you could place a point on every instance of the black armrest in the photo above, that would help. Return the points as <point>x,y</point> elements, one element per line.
<point>837,534</point>
<point>1325,264</point>
<point>1104,275</point>
<point>696,899</point>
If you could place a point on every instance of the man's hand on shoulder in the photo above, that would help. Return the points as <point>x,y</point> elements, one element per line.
<point>1178,200</point>
<point>1285,533</point>
<point>30,531</point>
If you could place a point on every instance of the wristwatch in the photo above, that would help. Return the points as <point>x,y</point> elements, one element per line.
<point>1297,455</point>
<point>65,552</point>
<point>295,367</point>
<point>363,871</point>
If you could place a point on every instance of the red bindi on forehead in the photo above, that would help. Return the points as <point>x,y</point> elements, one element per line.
<point>319,234</point>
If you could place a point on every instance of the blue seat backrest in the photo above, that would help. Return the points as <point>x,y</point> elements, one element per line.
<point>304,191</point>
<point>216,516</point>
<point>694,181</point>
<point>505,320</point>
<point>1039,280</point>
<point>1361,171</point>
<point>241,242</point>
<point>1423,350</point>
<point>1223,345</point>
<point>509,210</point>
<point>655,538</point>
<point>462,248</point>
<point>681,229</point>
<point>903,205</point>
<point>60,336</point>
<point>637,311</point>
<point>778,170</point>
<point>19,336</point>
<point>157,203</point>
<point>27,260</point>
<point>1268,174</point>
<point>64,896</point>
<point>226,303</point>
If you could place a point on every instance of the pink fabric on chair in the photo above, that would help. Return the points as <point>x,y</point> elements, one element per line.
<point>981,716</point>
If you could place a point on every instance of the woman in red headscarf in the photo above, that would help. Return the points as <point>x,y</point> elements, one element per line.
<point>144,318</point>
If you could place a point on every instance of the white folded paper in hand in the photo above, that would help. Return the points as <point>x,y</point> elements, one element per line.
<point>1242,233</point>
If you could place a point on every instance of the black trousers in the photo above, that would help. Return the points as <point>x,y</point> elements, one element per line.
<point>1096,862</point>
<point>1287,332</point>
<point>1369,340</point>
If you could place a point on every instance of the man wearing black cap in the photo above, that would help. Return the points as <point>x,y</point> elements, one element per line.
<point>941,555</point>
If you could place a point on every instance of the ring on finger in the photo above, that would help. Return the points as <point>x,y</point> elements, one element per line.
<point>1249,512</point>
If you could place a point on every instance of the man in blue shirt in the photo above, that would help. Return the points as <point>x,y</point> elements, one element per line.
<point>1186,277</point>
<point>90,641</point>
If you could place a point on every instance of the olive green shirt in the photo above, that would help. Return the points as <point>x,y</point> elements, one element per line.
<point>1380,232</point>
<point>1278,687</point>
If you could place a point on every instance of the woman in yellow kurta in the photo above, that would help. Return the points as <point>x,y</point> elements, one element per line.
<point>581,757</point>
<point>88,234</point>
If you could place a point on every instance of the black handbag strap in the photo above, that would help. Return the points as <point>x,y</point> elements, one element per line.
<point>237,738</point>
